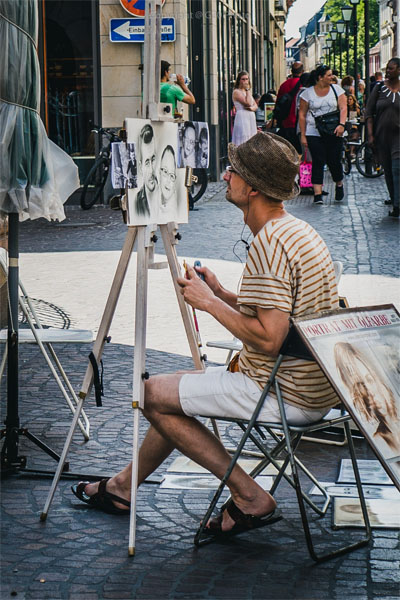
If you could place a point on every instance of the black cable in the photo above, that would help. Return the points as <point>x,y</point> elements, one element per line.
<point>242,240</point>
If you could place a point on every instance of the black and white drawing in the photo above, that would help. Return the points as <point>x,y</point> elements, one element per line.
<point>173,195</point>
<point>130,168</point>
<point>123,165</point>
<point>160,196</point>
<point>193,145</point>
<point>117,173</point>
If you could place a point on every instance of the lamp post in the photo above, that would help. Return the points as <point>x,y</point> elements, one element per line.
<point>340,26</point>
<point>334,35</point>
<point>366,21</point>
<point>325,51</point>
<point>329,45</point>
<point>347,12</point>
<point>355,32</point>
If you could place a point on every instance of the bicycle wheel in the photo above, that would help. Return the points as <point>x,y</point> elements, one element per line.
<point>346,162</point>
<point>94,183</point>
<point>197,189</point>
<point>366,162</point>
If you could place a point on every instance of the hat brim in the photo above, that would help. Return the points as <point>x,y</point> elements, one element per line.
<point>269,192</point>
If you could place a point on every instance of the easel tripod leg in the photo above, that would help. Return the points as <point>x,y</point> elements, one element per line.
<point>138,371</point>
<point>98,346</point>
<point>135,467</point>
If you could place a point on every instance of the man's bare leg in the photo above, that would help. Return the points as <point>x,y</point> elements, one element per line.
<point>173,429</point>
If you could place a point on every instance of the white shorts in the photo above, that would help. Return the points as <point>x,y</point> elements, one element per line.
<point>220,393</point>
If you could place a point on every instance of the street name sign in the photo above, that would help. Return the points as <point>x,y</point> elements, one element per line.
<point>132,30</point>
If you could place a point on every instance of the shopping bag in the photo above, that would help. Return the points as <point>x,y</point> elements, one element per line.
<point>305,173</point>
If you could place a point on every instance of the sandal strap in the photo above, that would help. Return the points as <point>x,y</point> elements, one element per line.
<point>103,493</point>
<point>237,515</point>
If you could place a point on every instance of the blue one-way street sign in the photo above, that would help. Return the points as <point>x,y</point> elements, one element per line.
<point>132,30</point>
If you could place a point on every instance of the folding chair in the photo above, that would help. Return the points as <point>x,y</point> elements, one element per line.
<point>287,439</point>
<point>45,338</point>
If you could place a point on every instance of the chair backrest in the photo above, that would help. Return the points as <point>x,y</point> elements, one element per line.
<point>338,266</point>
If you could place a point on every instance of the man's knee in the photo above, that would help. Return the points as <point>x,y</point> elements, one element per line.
<point>161,394</point>
<point>152,394</point>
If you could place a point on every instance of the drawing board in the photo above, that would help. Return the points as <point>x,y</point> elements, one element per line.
<point>160,194</point>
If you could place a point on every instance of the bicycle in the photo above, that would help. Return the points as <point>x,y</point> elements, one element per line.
<point>97,176</point>
<point>366,162</point>
<point>365,159</point>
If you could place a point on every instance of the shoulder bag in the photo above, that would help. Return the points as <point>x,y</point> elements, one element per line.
<point>327,123</point>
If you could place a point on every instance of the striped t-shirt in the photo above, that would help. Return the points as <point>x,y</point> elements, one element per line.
<point>289,268</point>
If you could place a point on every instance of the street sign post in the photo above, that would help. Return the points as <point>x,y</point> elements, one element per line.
<point>132,30</point>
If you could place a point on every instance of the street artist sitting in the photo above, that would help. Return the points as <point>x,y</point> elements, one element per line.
<point>288,271</point>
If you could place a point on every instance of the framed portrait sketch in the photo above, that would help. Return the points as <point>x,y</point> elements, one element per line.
<point>160,194</point>
<point>358,349</point>
<point>193,142</point>
<point>123,165</point>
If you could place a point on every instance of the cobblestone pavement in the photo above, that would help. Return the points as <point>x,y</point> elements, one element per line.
<point>79,553</point>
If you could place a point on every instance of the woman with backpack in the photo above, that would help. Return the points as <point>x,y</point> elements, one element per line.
<point>322,118</point>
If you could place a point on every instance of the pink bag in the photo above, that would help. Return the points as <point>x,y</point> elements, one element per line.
<point>305,173</point>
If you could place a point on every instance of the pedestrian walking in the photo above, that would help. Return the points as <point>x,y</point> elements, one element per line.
<point>322,118</point>
<point>245,125</point>
<point>383,122</point>
<point>286,106</point>
<point>353,112</point>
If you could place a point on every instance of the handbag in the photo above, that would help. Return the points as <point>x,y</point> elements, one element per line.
<point>327,123</point>
<point>305,173</point>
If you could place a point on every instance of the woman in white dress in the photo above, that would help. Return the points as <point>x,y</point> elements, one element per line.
<point>245,120</point>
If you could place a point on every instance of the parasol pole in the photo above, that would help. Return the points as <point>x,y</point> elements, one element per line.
<point>9,453</point>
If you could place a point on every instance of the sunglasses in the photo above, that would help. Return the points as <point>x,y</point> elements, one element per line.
<point>231,170</point>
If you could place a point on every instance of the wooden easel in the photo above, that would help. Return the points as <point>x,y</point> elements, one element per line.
<point>144,236</point>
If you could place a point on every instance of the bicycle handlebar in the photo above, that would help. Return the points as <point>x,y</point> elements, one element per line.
<point>106,131</point>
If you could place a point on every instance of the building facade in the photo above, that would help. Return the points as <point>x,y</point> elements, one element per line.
<point>388,30</point>
<point>88,79</point>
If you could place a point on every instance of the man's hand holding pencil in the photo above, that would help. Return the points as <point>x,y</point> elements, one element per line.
<point>196,292</point>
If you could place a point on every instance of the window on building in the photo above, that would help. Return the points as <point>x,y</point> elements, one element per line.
<point>67,39</point>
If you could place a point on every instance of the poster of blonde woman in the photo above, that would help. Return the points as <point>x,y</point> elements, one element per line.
<point>359,351</point>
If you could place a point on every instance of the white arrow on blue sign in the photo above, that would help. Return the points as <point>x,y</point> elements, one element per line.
<point>132,30</point>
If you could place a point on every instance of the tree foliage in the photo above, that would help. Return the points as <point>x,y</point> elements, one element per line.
<point>332,9</point>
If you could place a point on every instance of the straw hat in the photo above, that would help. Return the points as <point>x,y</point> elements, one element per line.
<point>268,163</point>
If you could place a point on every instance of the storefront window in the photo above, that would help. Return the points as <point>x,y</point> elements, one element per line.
<point>68,75</point>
